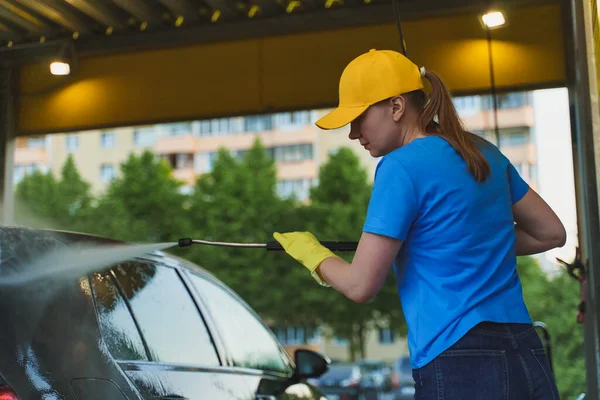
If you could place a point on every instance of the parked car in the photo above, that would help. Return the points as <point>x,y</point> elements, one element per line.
<point>345,381</point>
<point>381,373</point>
<point>403,382</point>
<point>152,327</point>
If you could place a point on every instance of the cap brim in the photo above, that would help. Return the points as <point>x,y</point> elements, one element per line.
<point>340,117</point>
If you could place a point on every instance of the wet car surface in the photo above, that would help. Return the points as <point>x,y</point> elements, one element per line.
<point>152,327</point>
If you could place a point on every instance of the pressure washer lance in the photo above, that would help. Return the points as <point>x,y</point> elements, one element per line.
<point>271,245</point>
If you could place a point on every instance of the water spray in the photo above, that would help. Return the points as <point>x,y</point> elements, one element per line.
<point>271,245</point>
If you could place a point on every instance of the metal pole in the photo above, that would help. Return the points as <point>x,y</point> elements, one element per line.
<point>585,178</point>
<point>7,148</point>
<point>488,34</point>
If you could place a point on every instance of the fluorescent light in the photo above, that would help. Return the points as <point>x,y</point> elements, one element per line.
<point>60,68</point>
<point>493,19</point>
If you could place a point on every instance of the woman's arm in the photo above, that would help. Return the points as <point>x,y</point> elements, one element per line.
<point>537,227</point>
<point>363,278</point>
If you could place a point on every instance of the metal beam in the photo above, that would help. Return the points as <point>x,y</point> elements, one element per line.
<point>18,55</point>
<point>141,10</point>
<point>184,8</point>
<point>22,18</point>
<point>99,12</point>
<point>7,140</point>
<point>58,13</point>
<point>8,34</point>
<point>577,19</point>
<point>286,24</point>
<point>227,8</point>
<point>269,7</point>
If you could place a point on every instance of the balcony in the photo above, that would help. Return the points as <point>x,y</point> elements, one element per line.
<point>187,144</point>
<point>518,154</point>
<point>296,170</point>
<point>30,155</point>
<point>245,141</point>
<point>187,175</point>
<point>507,118</point>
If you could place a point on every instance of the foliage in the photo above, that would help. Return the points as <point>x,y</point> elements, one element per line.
<point>554,302</point>
<point>46,202</point>
<point>144,203</point>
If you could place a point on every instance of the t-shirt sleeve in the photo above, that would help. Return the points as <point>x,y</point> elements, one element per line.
<point>393,205</point>
<point>518,186</point>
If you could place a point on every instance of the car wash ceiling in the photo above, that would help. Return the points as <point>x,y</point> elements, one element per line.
<point>210,47</point>
<point>114,24</point>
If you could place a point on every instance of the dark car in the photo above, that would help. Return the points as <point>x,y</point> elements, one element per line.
<point>403,382</point>
<point>150,327</point>
<point>381,373</point>
<point>345,381</point>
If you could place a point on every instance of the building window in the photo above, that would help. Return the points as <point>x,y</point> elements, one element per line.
<point>184,161</point>
<point>533,175</point>
<point>300,189</point>
<point>179,129</point>
<point>506,101</point>
<point>18,173</point>
<point>221,127</point>
<point>107,140</point>
<point>36,142</point>
<point>514,139</point>
<point>238,154</point>
<point>107,172</point>
<point>386,336</point>
<point>295,335</point>
<point>144,136</point>
<point>258,123</point>
<point>292,119</point>
<point>204,162</point>
<point>467,105</point>
<point>72,143</point>
<point>295,152</point>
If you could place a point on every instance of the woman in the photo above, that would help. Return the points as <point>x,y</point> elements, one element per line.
<point>450,213</point>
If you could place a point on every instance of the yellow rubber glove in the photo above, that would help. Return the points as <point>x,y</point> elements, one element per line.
<point>306,249</point>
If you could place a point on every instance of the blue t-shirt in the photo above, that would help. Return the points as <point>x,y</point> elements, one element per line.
<point>457,265</point>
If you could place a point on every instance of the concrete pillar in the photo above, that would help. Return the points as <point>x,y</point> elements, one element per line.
<point>7,144</point>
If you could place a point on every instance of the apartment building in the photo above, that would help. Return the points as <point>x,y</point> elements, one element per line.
<point>190,147</point>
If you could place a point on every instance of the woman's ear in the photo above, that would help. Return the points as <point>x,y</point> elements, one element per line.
<point>398,107</point>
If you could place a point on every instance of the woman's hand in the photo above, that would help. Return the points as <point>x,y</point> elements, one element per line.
<point>358,281</point>
<point>306,249</point>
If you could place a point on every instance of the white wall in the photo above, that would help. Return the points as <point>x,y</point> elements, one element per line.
<point>552,132</point>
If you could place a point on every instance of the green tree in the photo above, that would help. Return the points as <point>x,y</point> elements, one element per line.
<point>45,202</point>
<point>237,202</point>
<point>36,200</point>
<point>143,204</point>
<point>74,200</point>
<point>338,205</point>
<point>554,302</point>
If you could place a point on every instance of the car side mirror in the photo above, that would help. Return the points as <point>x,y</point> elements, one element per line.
<point>310,364</point>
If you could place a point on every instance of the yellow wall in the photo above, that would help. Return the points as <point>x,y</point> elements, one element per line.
<point>285,72</point>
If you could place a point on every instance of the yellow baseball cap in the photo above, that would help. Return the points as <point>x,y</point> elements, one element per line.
<point>368,79</point>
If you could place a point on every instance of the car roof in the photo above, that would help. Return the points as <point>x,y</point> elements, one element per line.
<point>20,244</point>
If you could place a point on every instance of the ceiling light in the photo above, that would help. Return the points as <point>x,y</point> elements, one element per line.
<point>60,68</point>
<point>494,19</point>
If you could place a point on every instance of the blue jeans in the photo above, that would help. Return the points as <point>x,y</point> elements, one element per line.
<point>491,362</point>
